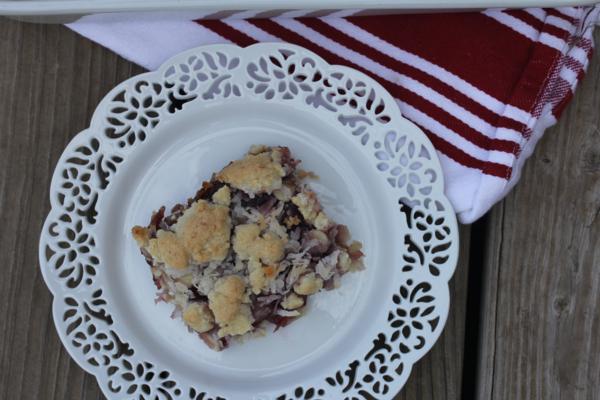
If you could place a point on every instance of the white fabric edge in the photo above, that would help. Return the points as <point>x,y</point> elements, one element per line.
<point>141,31</point>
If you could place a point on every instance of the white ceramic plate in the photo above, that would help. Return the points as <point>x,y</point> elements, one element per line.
<point>157,136</point>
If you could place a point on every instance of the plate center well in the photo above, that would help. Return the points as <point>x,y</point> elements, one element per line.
<point>170,166</point>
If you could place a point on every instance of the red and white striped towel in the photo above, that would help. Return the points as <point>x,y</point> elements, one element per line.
<point>483,86</point>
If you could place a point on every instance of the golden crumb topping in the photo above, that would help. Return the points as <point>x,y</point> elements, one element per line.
<point>284,193</point>
<point>167,248</point>
<point>256,276</point>
<point>239,324</point>
<point>141,235</point>
<point>270,249</point>
<point>307,204</point>
<point>226,297</point>
<point>258,148</point>
<point>344,261</point>
<point>308,284</point>
<point>245,235</point>
<point>204,231</point>
<point>277,155</point>
<point>292,302</point>
<point>222,196</point>
<point>248,243</point>
<point>309,207</point>
<point>321,221</point>
<point>199,317</point>
<point>255,173</point>
<point>260,275</point>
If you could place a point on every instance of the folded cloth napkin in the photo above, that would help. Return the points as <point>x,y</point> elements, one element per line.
<point>483,86</point>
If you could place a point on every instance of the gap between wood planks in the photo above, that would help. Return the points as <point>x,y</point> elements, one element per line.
<point>473,307</point>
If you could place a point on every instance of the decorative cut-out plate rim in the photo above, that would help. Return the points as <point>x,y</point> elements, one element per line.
<point>272,72</point>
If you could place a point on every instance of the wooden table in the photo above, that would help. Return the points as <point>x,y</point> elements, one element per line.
<point>525,316</point>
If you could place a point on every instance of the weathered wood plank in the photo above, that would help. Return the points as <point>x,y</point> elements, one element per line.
<point>50,83</point>
<point>540,313</point>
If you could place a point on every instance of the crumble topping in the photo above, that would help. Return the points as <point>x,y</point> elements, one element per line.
<point>222,196</point>
<point>309,207</point>
<point>199,317</point>
<point>226,298</point>
<point>260,275</point>
<point>204,231</point>
<point>167,248</point>
<point>239,324</point>
<point>249,243</point>
<point>292,302</point>
<point>258,148</point>
<point>254,173</point>
<point>249,248</point>
<point>308,284</point>
<point>141,235</point>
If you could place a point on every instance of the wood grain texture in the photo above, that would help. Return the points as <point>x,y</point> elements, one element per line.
<point>540,331</point>
<point>50,83</point>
